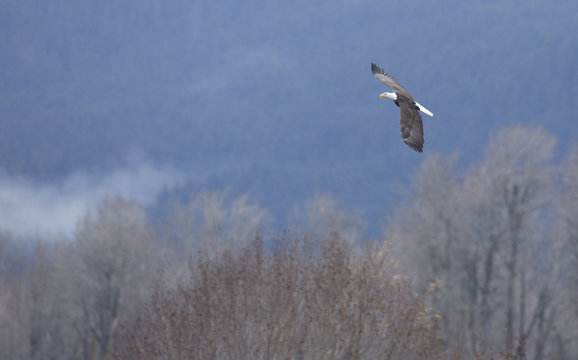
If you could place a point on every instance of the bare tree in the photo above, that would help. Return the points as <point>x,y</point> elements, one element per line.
<point>212,220</point>
<point>424,233</point>
<point>321,216</point>
<point>519,178</point>
<point>304,300</point>
<point>113,267</point>
<point>35,307</point>
<point>567,229</point>
<point>478,242</point>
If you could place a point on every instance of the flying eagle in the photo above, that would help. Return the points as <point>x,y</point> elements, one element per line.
<point>410,120</point>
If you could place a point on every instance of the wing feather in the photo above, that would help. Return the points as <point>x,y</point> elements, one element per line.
<point>387,79</point>
<point>411,126</point>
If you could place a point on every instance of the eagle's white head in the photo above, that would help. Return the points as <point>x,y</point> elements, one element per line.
<point>392,96</point>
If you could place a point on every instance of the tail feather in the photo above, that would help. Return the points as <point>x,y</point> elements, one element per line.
<point>423,109</point>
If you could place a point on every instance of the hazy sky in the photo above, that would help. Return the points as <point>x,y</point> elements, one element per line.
<point>270,98</point>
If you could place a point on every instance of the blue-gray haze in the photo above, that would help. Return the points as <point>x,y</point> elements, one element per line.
<point>275,98</point>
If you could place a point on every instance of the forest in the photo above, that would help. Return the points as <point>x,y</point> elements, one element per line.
<point>476,262</point>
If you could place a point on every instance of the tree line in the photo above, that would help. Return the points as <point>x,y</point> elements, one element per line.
<point>477,262</point>
<point>494,246</point>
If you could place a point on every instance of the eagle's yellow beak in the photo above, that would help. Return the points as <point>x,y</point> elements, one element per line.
<point>382,95</point>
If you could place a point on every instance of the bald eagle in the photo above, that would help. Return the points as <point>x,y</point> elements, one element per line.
<point>410,122</point>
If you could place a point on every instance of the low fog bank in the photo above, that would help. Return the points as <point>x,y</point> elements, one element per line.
<point>30,207</point>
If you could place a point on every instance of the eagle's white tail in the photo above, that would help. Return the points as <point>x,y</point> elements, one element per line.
<point>423,109</point>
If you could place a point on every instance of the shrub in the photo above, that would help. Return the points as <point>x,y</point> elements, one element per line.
<point>291,299</point>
